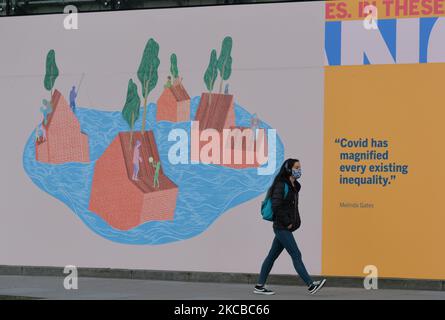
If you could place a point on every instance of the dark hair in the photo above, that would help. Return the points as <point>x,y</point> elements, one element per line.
<point>284,173</point>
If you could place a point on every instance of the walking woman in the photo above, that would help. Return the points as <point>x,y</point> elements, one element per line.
<point>286,219</point>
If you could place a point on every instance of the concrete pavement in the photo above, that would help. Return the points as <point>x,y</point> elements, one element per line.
<point>100,288</point>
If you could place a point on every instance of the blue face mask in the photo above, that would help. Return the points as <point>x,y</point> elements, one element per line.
<point>296,173</point>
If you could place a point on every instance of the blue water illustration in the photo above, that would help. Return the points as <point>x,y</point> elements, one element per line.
<point>206,191</point>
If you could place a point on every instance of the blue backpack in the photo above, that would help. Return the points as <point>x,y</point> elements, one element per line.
<point>266,205</point>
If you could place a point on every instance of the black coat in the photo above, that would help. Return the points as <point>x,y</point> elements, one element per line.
<point>285,210</point>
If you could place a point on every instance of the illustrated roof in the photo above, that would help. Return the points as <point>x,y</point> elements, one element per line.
<point>215,115</point>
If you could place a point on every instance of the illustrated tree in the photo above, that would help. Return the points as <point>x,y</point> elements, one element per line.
<point>131,109</point>
<point>148,73</point>
<point>52,72</point>
<point>211,74</point>
<point>225,61</point>
<point>174,66</point>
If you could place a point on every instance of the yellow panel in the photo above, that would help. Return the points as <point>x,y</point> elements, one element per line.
<point>404,234</point>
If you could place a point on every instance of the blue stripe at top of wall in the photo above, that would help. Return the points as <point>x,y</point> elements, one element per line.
<point>332,43</point>
<point>388,30</point>
<point>426,25</point>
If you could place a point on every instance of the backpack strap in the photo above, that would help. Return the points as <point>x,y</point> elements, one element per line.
<point>286,191</point>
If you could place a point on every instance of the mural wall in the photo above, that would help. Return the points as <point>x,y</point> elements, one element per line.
<point>383,125</point>
<point>147,139</point>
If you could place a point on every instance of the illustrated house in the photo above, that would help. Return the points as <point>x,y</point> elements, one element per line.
<point>219,115</point>
<point>64,140</point>
<point>125,203</point>
<point>174,104</point>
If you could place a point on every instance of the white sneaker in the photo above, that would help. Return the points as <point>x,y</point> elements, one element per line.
<point>262,290</point>
<point>316,286</point>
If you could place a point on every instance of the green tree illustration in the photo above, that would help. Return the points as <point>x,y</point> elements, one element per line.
<point>52,72</point>
<point>211,74</point>
<point>148,73</point>
<point>174,66</point>
<point>225,61</point>
<point>132,106</point>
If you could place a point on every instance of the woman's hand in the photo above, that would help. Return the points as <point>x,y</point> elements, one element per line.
<point>289,226</point>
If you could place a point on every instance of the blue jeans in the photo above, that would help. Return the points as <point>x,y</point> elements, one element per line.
<point>284,239</point>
